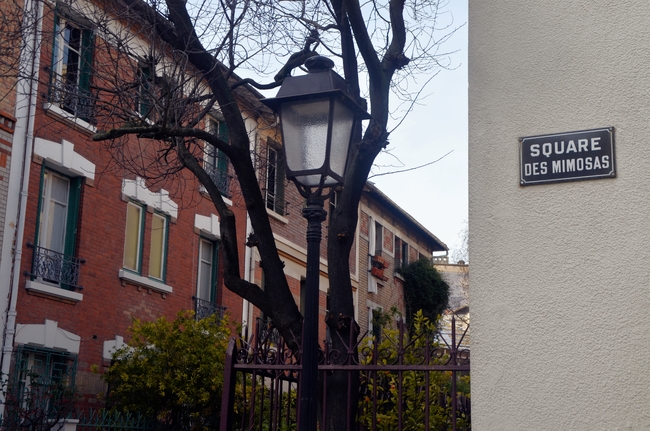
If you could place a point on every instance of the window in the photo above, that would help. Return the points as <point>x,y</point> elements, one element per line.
<point>158,248</point>
<point>144,101</point>
<point>215,161</point>
<point>71,68</point>
<point>401,253</point>
<point>133,237</point>
<point>40,375</point>
<point>375,237</point>
<point>133,241</point>
<point>206,289</point>
<point>54,258</point>
<point>274,186</point>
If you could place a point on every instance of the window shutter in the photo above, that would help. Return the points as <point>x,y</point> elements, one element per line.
<point>73,216</point>
<point>85,98</point>
<point>223,131</point>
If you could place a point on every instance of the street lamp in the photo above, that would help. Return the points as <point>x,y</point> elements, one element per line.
<point>317,118</point>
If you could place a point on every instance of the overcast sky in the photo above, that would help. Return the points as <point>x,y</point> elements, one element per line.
<point>435,195</point>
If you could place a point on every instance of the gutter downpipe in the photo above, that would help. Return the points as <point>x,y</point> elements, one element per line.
<point>26,98</point>
<point>249,262</point>
<point>249,271</point>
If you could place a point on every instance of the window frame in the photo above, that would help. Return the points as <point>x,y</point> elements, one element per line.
<point>71,219</point>
<point>214,264</point>
<point>144,101</point>
<point>139,235</point>
<point>54,360</point>
<point>73,98</point>
<point>274,179</point>
<point>215,161</point>
<point>379,238</point>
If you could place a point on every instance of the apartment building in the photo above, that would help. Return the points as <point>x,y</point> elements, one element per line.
<point>96,241</point>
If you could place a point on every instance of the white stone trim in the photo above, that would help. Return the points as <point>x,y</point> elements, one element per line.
<point>110,346</point>
<point>144,281</point>
<point>277,216</point>
<point>48,335</point>
<point>136,189</point>
<point>50,290</point>
<point>207,226</point>
<point>63,155</point>
<point>56,110</point>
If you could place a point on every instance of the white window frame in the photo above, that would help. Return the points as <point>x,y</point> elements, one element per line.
<point>139,235</point>
<point>213,279</point>
<point>274,198</point>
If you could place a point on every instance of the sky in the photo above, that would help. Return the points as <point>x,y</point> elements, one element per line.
<point>435,195</point>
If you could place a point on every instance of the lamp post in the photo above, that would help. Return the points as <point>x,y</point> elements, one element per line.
<point>317,119</point>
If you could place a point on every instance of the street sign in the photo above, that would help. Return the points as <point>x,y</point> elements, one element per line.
<point>571,156</point>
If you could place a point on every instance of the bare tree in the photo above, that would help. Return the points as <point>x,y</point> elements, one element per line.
<point>161,68</point>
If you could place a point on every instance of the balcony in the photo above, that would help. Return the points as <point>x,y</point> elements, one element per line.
<point>220,178</point>
<point>53,267</point>
<point>205,309</point>
<point>71,98</point>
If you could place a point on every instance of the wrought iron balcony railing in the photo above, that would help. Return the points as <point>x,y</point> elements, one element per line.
<point>205,309</point>
<point>220,178</point>
<point>54,267</point>
<point>71,98</point>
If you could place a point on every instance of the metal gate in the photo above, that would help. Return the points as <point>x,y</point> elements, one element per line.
<point>406,381</point>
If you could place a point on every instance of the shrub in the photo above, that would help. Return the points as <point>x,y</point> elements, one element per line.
<point>172,371</point>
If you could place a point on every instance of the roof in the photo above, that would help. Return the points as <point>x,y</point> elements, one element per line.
<point>432,241</point>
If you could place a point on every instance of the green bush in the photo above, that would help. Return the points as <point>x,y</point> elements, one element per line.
<point>172,371</point>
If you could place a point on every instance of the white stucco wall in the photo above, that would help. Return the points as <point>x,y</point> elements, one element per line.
<point>560,272</point>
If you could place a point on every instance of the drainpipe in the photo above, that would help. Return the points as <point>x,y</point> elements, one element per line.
<point>249,275</point>
<point>26,98</point>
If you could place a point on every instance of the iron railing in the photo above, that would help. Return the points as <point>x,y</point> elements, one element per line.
<point>54,267</point>
<point>71,98</point>
<point>203,309</point>
<point>94,420</point>
<point>220,178</point>
<point>385,378</point>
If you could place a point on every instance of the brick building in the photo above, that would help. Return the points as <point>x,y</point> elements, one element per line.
<point>388,238</point>
<point>97,245</point>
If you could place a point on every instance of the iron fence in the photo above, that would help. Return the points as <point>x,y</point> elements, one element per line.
<point>55,267</point>
<point>406,382</point>
<point>108,420</point>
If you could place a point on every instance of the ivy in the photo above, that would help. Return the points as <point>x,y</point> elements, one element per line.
<point>424,289</point>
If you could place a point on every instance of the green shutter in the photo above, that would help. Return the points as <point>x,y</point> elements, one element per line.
<point>85,97</point>
<point>223,131</point>
<point>54,48</point>
<point>73,216</point>
<point>71,223</point>
<point>145,89</point>
<point>222,162</point>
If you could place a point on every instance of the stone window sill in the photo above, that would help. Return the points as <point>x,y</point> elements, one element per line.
<point>57,112</point>
<point>144,281</point>
<point>54,291</point>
